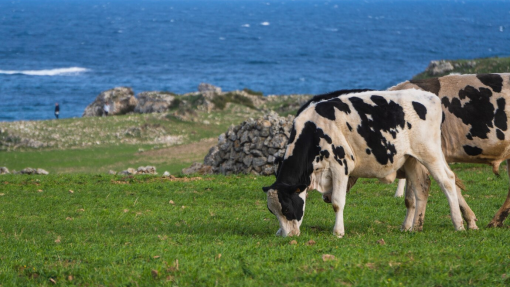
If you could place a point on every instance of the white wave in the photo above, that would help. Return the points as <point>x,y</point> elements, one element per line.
<point>264,23</point>
<point>246,25</point>
<point>51,72</point>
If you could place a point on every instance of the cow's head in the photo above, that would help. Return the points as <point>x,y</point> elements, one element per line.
<point>287,202</point>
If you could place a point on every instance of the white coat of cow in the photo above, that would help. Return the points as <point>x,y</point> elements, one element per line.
<point>369,134</point>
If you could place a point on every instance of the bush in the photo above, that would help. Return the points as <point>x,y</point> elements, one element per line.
<point>221,101</point>
<point>252,92</point>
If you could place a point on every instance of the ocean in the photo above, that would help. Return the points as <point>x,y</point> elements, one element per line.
<point>68,51</point>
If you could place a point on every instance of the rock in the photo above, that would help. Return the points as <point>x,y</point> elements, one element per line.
<point>210,157</point>
<point>129,171</point>
<point>259,161</point>
<point>166,174</point>
<point>436,68</point>
<point>199,168</point>
<point>4,170</point>
<point>146,170</point>
<point>41,171</point>
<point>121,99</point>
<point>30,170</point>
<point>208,88</point>
<point>153,102</point>
<point>112,172</point>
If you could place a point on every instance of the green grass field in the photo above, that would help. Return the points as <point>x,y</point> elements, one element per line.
<point>216,230</point>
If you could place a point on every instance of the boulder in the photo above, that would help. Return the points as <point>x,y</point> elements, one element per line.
<point>208,88</point>
<point>129,171</point>
<point>4,170</point>
<point>209,91</point>
<point>30,170</point>
<point>153,102</point>
<point>437,68</point>
<point>146,170</point>
<point>199,168</point>
<point>121,99</point>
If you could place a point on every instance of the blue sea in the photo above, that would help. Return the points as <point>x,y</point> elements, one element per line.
<point>68,51</point>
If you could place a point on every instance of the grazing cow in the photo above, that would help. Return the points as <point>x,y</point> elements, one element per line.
<point>475,126</point>
<point>368,134</point>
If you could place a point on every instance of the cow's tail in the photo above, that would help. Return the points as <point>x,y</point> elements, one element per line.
<point>459,183</point>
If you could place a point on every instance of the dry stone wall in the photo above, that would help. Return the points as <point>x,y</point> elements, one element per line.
<point>251,147</point>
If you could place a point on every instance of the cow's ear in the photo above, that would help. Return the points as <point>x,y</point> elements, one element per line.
<point>266,188</point>
<point>300,188</point>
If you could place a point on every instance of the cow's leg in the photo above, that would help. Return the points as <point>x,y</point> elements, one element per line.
<point>326,197</point>
<point>468,214</point>
<point>400,188</point>
<point>340,184</point>
<point>503,211</point>
<point>441,172</point>
<point>417,193</point>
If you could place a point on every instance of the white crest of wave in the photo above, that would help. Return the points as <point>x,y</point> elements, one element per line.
<point>50,72</point>
<point>264,23</point>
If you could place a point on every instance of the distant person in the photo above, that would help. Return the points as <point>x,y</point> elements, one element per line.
<point>57,110</point>
<point>106,109</point>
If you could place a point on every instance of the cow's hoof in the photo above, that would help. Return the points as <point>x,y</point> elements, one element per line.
<point>461,228</point>
<point>404,228</point>
<point>495,224</point>
<point>339,234</point>
<point>472,226</point>
<point>279,232</point>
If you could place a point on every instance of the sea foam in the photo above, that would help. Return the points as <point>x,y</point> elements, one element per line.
<point>50,72</point>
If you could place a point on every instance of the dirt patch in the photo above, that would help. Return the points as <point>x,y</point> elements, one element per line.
<point>192,151</point>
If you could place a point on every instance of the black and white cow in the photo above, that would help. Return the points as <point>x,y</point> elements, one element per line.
<point>368,134</point>
<point>475,126</point>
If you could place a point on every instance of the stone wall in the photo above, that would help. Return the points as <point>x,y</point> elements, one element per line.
<point>250,147</point>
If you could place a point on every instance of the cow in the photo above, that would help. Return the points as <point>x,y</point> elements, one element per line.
<point>370,134</point>
<point>475,127</point>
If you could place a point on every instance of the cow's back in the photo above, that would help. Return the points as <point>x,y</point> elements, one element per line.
<point>377,129</point>
<point>476,111</point>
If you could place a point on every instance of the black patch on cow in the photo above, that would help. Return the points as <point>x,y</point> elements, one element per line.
<point>323,154</point>
<point>317,159</point>
<point>349,126</point>
<point>430,85</point>
<point>469,137</point>
<point>472,150</point>
<point>352,157</point>
<point>292,136</point>
<point>386,116</point>
<point>420,109</point>
<point>443,118</point>
<point>346,167</point>
<point>409,126</point>
<point>494,81</point>
<point>294,171</point>
<point>477,112</point>
<point>328,96</point>
<point>500,119</point>
<point>500,134</point>
<point>327,108</point>
<point>368,151</point>
<point>339,153</point>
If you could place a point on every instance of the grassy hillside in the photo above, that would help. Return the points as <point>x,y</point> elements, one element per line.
<point>97,229</point>
<point>474,66</point>
<point>169,141</point>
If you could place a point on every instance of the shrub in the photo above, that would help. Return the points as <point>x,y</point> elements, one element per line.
<point>221,101</point>
<point>252,92</point>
